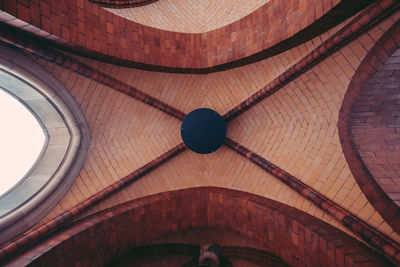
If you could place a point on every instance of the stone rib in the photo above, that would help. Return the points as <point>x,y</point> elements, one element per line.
<point>379,241</point>
<point>67,62</point>
<point>23,241</point>
<point>368,18</point>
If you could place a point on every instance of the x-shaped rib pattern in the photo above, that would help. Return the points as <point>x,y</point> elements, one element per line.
<point>379,241</point>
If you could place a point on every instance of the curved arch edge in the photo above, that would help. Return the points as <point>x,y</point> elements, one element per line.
<point>123,3</point>
<point>280,229</point>
<point>60,161</point>
<point>198,57</point>
<point>375,58</point>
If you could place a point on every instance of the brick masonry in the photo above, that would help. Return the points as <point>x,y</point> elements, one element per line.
<point>377,240</point>
<point>30,237</point>
<point>85,28</point>
<point>297,238</point>
<point>296,129</point>
<point>376,126</point>
<point>358,25</point>
<point>364,107</point>
<point>101,167</point>
<point>67,62</point>
<point>199,17</point>
<point>224,169</point>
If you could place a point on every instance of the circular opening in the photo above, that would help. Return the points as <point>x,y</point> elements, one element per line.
<point>203,130</point>
<point>21,141</point>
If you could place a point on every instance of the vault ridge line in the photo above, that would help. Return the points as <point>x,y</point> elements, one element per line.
<point>376,239</point>
<point>31,48</point>
<point>364,21</point>
<point>10,249</point>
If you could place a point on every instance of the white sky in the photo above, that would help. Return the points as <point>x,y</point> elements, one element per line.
<point>21,140</point>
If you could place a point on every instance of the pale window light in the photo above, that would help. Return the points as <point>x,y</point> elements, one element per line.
<point>21,141</point>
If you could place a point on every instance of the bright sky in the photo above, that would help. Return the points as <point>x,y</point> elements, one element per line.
<point>21,140</point>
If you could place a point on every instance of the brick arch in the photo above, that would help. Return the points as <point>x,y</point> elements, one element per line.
<point>294,236</point>
<point>87,29</point>
<point>367,127</point>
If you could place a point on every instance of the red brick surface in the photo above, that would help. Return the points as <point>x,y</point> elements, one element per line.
<point>189,166</point>
<point>358,25</point>
<point>367,127</point>
<point>30,237</point>
<point>53,56</point>
<point>298,238</point>
<point>374,238</point>
<point>376,126</point>
<point>85,27</point>
<point>152,186</point>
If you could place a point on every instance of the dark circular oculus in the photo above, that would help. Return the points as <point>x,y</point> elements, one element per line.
<point>203,130</point>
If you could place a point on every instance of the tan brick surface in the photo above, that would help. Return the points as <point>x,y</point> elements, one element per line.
<point>189,16</point>
<point>85,27</point>
<point>295,129</point>
<point>220,91</point>
<point>126,134</point>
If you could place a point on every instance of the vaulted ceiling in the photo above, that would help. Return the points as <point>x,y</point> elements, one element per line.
<point>308,89</point>
<point>199,17</point>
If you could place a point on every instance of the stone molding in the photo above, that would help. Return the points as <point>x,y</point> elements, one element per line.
<point>66,146</point>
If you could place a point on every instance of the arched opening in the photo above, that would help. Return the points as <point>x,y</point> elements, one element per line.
<point>21,140</point>
<point>63,153</point>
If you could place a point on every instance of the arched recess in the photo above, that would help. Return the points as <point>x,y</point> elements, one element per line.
<point>366,127</point>
<point>84,28</point>
<point>294,236</point>
<point>61,159</point>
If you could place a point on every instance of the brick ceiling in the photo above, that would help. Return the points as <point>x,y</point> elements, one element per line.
<point>289,70</point>
<point>200,16</point>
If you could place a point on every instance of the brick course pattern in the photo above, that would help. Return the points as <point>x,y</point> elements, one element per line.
<point>376,126</point>
<point>296,128</point>
<point>379,241</point>
<point>192,159</point>
<point>368,117</point>
<point>199,17</point>
<point>219,91</point>
<point>358,25</point>
<point>52,55</point>
<point>214,90</point>
<point>31,236</point>
<point>85,28</point>
<point>297,238</point>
